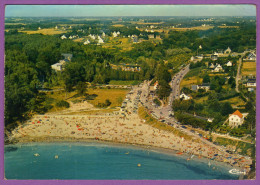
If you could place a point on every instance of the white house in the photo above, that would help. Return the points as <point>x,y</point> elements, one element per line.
<point>100,41</point>
<point>235,119</point>
<point>103,34</point>
<point>211,66</point>
<point>229,64</point>
<point>56,27</point>
<point>185,97</point>
<point>114,34</point>
<point>57,67</point>
<point>218,68</point>
<point>86,42</point>
<point>39,28</point>
<point>63,37</point>
<point>227,51</point>
<point>151,36</point>
<point>118,33</point>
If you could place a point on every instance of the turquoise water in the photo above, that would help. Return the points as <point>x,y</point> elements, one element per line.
<point>103,161</point>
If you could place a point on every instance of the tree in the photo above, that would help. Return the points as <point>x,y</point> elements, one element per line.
<point>226,108</point>
<point>206,79</point>
<point>81,88</point>
<point>164,89</point>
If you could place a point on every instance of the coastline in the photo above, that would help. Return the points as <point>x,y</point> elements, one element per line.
<point>165,151</point>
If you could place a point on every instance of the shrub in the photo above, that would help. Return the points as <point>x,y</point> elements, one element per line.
<point>62,103</point>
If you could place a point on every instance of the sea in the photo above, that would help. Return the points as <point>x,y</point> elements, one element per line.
<point>105,161</point>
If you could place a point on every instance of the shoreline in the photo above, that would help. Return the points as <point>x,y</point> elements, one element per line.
<point>113,128</point>
<point>165,151</point>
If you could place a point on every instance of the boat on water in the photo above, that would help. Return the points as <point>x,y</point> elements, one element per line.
<point>36,154</point>
<point>236,172</point>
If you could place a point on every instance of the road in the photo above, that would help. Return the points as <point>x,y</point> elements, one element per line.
<point>238,76</point>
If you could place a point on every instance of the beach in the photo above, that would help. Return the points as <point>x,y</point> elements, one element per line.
<point>116,128</point>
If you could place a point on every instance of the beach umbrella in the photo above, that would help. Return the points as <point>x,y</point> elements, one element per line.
<point>38,122</point>
<point>32,122</point>
<point>216,155</point>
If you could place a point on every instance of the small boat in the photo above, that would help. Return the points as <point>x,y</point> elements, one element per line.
<point>127,153</point>
<point>36,154</point>
<point>236,172</point>
<point>56,156</point>
<point>179,153</point>
<point>209,163</point>
<point>139,165</point>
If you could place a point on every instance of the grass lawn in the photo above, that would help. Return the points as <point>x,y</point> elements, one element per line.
<point>115,96</point>
<point>248,68</point>
<point>187,82</point>
<point>120,82</point>
<point>236,101</point>
<point>49,31</point>
<point>122,43</point>
<point>201,100</point>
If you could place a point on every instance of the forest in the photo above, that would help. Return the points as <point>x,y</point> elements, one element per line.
<point>28,60</point>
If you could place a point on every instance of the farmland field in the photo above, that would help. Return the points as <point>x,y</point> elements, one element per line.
<point>115,96</point>
<point>248,68</point>
<point>49,31</point>
<point>187,82</point>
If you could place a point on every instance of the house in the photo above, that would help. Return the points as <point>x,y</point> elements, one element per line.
<point>214,57</point>
<point>205,86</point>
<point>56,27</point>
<point>100,41</point>
<point>227,51</point>
<point>39,28</point>
<point>211,66</point>
<point>229,64</point>
<point>86,42</point>
<point>251,56</point>
<point>194,87</point>
<point>155,86</point>
<point>251,83</point>
<point>235,119</point>
<point>151,36</point>
<point>103,34</point>
<point>114,34</point>
<point>67,56</point>
<point>192,58</point>
<point>63,37</point>
<point>135,39</point>
<point>57,67</point>
<point>250,89</point>
<point>158,37</point>
<point>218,68</point>
<point>185,97</point>
<point>210,120</point>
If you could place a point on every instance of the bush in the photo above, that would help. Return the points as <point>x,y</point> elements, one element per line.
<point>62,103</point>
<point>157,102</point>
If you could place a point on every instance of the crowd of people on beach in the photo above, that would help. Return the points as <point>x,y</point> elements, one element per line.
<point>124,129</point>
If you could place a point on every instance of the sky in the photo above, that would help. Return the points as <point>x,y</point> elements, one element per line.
<point>128,10</point>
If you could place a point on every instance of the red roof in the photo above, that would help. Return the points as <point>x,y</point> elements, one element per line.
<point>238,114</point>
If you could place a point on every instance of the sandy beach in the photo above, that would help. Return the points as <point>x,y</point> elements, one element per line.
<point>114,127</point>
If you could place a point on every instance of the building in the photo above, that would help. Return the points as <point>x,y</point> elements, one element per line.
<point>135,39</point>
<point>57,67</point>
<point>86,42</point>
<point>205,86</point>
<point>251,83</point>
<point>155,86</point>
<point>194,87</point>
<point>151,36</point>
<point>229,64</point>
<point>251,56</point>
<point>61,64</point>
<point>211,66</point>
<point>63,37</point>
<point>235,119</point>
<point>185,97</point>
<point>214,57</point>
<point>227,51</point>
<point>218,68</point>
